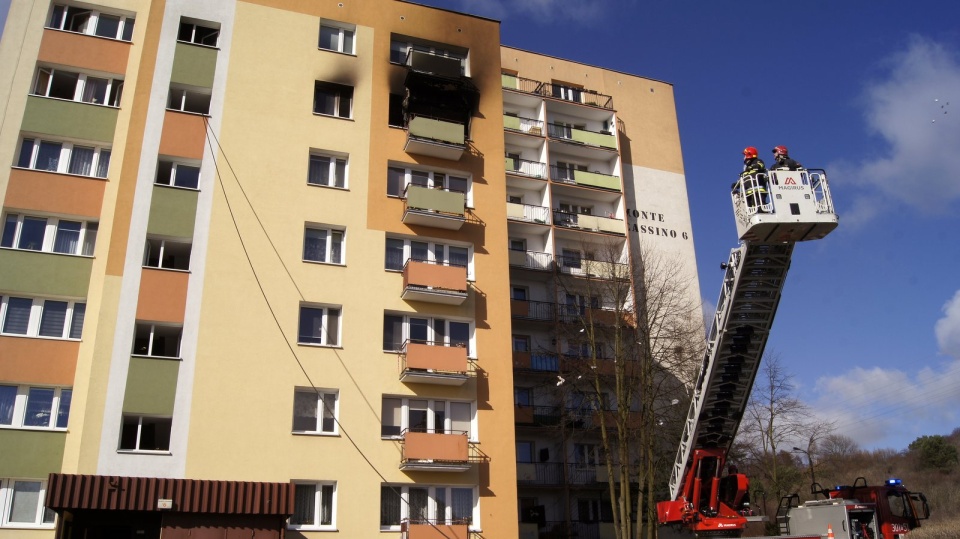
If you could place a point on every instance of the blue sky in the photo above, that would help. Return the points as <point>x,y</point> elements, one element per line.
<point>869,324</point>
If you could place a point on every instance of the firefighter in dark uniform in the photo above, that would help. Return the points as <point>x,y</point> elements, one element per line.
<point>783,160</point>
<point>755,192</point>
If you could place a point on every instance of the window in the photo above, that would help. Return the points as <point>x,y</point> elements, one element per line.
<point>399,415</point>
<point>568,93</point>
<point>314,411</point>
<point>177,174</point>
<point>328,170</point>
<point>398,329</point>
<point>518,244</point>
<point>314,506</point>
<point>521,343</point>
<point>60,84</point>
<point>524,451</point>
<point>332,99</point>
<point>142,433</point>
<point>323,245</point>
<point>337,36</point>
<point>167,254</point>
<point>422,504</point>
<point>37,317</point>
<point>90,22</point>
<point>184,100</point>
<point>398,251</point>
<point>519,293</point>
<point>35,407</point>
<point>155,340</point>
<point>398,178</point>
<point>64,157</point>
<point>198,33</point>
<point>48,234</point>
<point>522,396</point>
<point>21,504</point>
<point>319,325</point>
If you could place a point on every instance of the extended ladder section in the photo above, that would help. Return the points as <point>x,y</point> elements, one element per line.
<point>774,211</point>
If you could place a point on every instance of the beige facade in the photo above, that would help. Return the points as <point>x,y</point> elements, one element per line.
<point>259,247</point>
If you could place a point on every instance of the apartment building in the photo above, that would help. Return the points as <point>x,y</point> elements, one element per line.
<point>257,267</point>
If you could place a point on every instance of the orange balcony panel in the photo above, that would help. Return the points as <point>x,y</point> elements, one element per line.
<point>523,414</point>
<point>435,531</point>
<point>435,447</point>
<point>519,308</point>
<point>55,193</point>
<point>521,360</point>
<point>438,358</point>
<point>89,52</point>
<point>435,283</point>
<point>163,295</point>
<point>38,361</point>
<point>184,135</point>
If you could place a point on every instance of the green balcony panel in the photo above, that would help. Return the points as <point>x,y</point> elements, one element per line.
<point>173,212</point>
<point>511,122</point>
<point>32,454</point>
<point>433,129</point>
<point>510,164</point>
<point>424,198</point>
<point>594,139</point>
<point>45,274</point>
<point>594,179</point>
<point>151,386</point>
<point>194,65</point>
<point>508,81</point>
<point>70,119</point>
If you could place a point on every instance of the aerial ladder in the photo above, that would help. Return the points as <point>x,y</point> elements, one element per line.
<point>774,210</point>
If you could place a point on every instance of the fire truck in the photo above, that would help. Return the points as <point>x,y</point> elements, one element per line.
<point>774,210</point>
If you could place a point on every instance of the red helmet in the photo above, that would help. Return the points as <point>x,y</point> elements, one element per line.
<point>780,150</point>
<point>750,152</point>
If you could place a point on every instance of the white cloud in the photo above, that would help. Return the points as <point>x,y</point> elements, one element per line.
<point>948,328</point>
<point>914,108</point>
<point>540,11</point>
<point>885,408</point>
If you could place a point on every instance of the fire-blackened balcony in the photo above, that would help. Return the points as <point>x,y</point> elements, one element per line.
<point>434,451</point>
<point>434,282</point>
<point>436,363</point>
<point>437,107</point>
<point>438,208</point>
<point>434,529</point>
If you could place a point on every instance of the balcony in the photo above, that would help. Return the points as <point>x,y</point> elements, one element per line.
<point>435,452</point>
<point>434,363</point>
<point>539,311</point>
<point>437,208</point>
<point>576,314</point>
<point>435,137</point>
<point>593,223</point>
<point>434,282</point>
<point>598,139</point>
<point>425,529</point>
<point>577,266</point>
<point>520,84</point>
<point>428,62</point>
<point>519,124</point>
<point>580,96</point>
<point>537,416</point>
<point>535,361</point>
<point>525,168</point>
<point>531,260</point>
<point>584,178</point>
<point>528,213</point>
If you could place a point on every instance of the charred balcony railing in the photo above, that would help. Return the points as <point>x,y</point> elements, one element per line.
<point>523,167</point>
<point>519,124</point>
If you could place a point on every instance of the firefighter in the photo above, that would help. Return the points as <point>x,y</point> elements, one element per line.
<point>783,160</point>
<point>755,176</point>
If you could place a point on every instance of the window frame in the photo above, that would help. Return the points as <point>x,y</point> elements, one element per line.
<point>404,504</point>
<point>338,92</point>
<point>98,169</point>
<point>400,47</point>
<point>333,169</point>
<point>124,30</point>
<point>329,233</point>
<point>431,180</point>
<point>162,245</point>
<point>43,518</point>
<point>188,99</point>
<point>431,323</point>
<point>35,317</point>
<point>195,24</point>
<point>432,246</point>
<point>151,339</point>
<point>433,407</point>
<point>61,397</point>
<point>172,179</point>
<point>85,242</point>
<point>342,28</point>
<point>162,420</point>
<point>113,92</point>
<point>325,317</point>
<point>318,507</point>
<point>321,395</point>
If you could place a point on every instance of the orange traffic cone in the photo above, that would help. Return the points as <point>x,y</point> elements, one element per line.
<point>830,532</point>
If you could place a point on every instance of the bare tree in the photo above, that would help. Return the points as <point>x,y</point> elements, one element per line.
<point>642,335</point>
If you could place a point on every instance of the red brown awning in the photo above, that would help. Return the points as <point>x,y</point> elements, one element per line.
<point>73,492</point>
